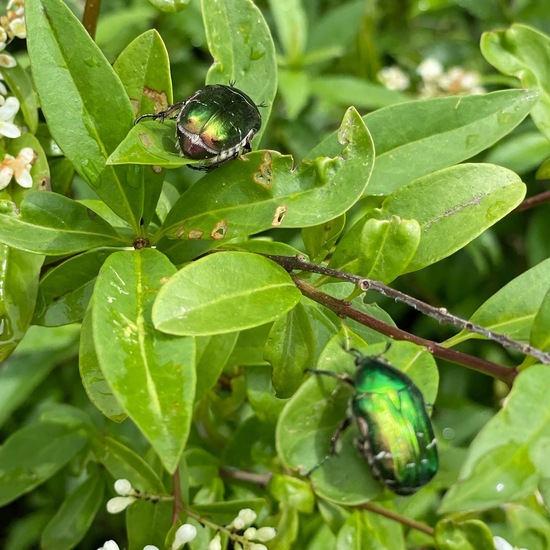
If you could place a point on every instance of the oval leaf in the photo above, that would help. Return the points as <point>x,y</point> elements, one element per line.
<point>151,375</point>
<point>224,292</point>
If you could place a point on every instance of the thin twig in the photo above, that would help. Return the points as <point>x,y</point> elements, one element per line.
<point>440,314</point>
<point>91,15</point>
<point>241,475</point>
<point>178,503</point>
<point>533,201</point>
<point>413,524</point>
<point>345,309</point>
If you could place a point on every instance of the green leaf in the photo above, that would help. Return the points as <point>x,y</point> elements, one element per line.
<point>471,534</point>
<point>19,273</point>
<point>148,523</point>
<point>93,380</point>
<point>319,239</point>
<point>418,137</point>
<point>453,206</point>
<point>378,249</point>
<point>66,289</point>
<point>364,529</point>
<point>290,350</point>
<point>21,86</point>
<point>522,51</point>
<point>313,414</point>
<point>48,223</point>
<point>212,355</point>
<point>224,292</point>
<point>35,453</point>
<point>123,463</point>
<point>540,335</point>
<point>75,516</point>
<point>509,456</point>
<point>169,6</point>
<point>144,70</point>
<point>292,492</point>
<point>35,358</point>
<point>152,375</point>
<point>512,310</point>
<point>291,23</point>
<point>72,78</point>
<point>246,57</point>
<point>263,190</point>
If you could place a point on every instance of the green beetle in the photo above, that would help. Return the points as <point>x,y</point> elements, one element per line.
<point>396,436</point>
<point>215,125</point>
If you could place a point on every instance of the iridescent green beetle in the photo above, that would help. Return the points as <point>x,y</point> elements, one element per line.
<point>215,125</point>
<point>395,432</point>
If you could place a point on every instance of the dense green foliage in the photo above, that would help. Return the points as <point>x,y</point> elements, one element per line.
<point>157,324</point>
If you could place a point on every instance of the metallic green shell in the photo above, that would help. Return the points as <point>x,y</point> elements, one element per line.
<point>396,434</point>
<point>217,124</point>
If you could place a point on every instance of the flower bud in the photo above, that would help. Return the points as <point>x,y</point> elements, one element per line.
<point>265,533</point>
<point>215,543</point>
<point>255,546</point>
<point>250,533</point>
<point>244,519</point>
<point>110,545</point>
<point>123,487</point>
<point>118,504</point>
<point>184,534</point>
<point>150,547</point>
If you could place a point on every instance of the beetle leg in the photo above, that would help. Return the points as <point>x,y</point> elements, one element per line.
<point>343,377</point>
<point>162,115</point>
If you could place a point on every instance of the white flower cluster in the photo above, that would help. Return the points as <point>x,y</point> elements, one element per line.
<point>503,544</point>
<point>12,25</point>
<point>252,536</point>
<point>435,81</point>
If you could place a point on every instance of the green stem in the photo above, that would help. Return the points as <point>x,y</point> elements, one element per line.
<point>397,517</point>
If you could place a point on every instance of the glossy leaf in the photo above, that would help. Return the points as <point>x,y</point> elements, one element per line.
<point>66,289</point>
<point>509,456</point>
<point>540,335</point>
<point>89,125</point>
<point>35,453</point>
<point>364,529</point>
<point>313,414</point>
<point>98,390</point>
<point>246,57</point>
<point>148,523</point>
<point>124,463</point>
<point>40,351</point>
<point>291,23</point>
<point>265,191</point>
<point>513,308</point>
<point>170,6</point>
<point>471,534</point>
<point>21,86</point>
<point>453,206</point>
<point>290,350</point>
<point>224,292</point>
<point>75,516</point>
<point>144,70</point>
<point>522,51</point>
<point>378,249</point>
<point>19,273</point>
<point>418,137</point>
<point>152,375</point>
<point>48,223</point>
<point>319,239</point>
<point>293,492</point>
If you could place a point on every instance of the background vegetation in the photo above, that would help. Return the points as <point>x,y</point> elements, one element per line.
<point>403,143</point>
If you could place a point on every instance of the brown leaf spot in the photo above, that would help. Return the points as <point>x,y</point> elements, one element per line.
<point>145,139</point>
<point>195,234</point>
<point>219,231</point>
<point>279,216</point>
<point>264,175</point>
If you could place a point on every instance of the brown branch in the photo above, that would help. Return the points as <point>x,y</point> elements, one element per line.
<point>242,475</point>
<point>345,309</point>
<point>413,524</point>
<point>533,201</point>
<point>178,503</point>
<point>91,15</point>
<point>291,263</point>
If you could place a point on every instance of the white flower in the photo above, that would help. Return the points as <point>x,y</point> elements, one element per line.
<point>7,61</point>
<point>394,78</point>
<point>244,519</point>
<point>118,504</point>
<point>20,167</point>
<point>3,92</point>
<point>150,547</point>
<point>7,113</point>
<point>430,69</point>
<point>110,545</point>
<point>123,487</point>
<point>18,28</point>
<point>256,546</point>
<point>215,543</point>
<point>184,534</point>
<point>503,544</point>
